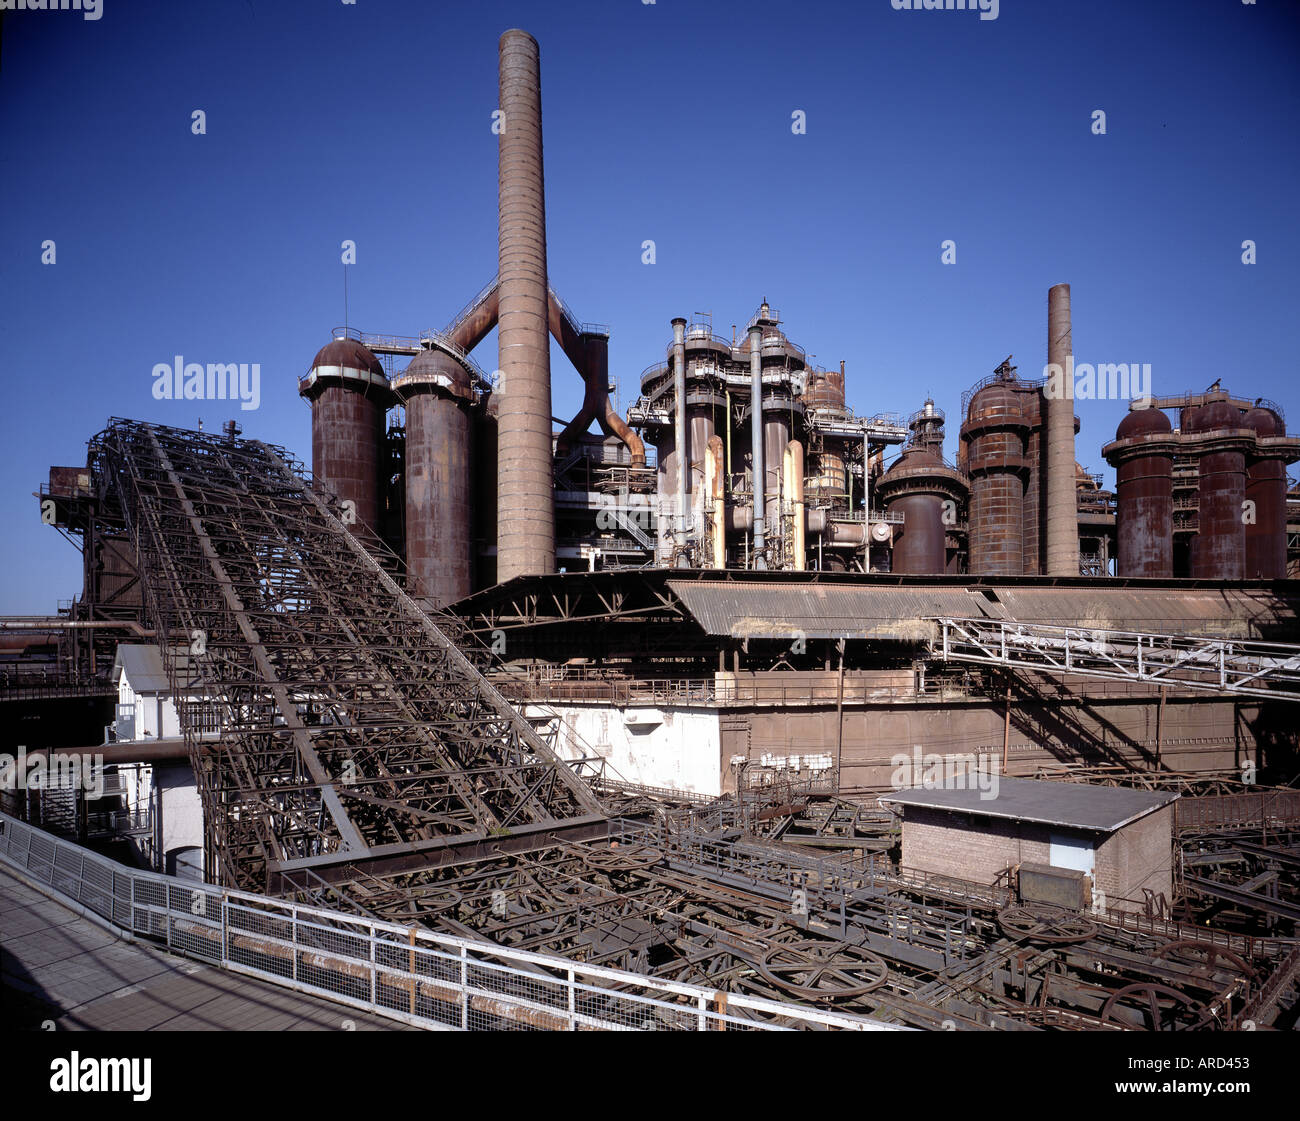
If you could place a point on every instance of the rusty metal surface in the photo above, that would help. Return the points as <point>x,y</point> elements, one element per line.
<point>776,435</point>
<point>1143,455</point>
<point>438,491</point>
<point>347,446</point>
<point>1219,548</point>
<point>1266,487</point>
<point>349,397</point>
<point>471,327</point>
<point>525,493</point>
<point>589,353</point>
<point>995,430</point>
<point>1034,510</point>
<point>919,542</point>
<point>917,486</point>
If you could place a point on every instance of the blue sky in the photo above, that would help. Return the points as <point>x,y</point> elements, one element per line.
<point>669,122</point>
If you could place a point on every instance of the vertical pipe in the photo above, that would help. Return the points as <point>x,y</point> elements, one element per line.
<point>715,454</point>
<point>784,505</point>
<point>1006,728</point>
<point>756,441</point>
<point>525,494</point>
<point>679,428</point>
<point>709,527</point>
<point>866,506</point>
<point>794,488</point>
<point>728,477</point>
<point>1160,725</point>
<point>1058,433</point>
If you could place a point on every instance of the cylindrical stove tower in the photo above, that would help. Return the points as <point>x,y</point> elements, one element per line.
<point>350,397</point>
<point>525,493</point>
<point>917,486</point>
<point>1219,550</point>
<point>1143,458</point>
<point>1266,488</point>
<point>776,435</point>
<point>995,429</point>
<point>436,393</point>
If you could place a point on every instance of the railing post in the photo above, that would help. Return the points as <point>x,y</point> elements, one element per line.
<point>410,968</point>
<point>573,1022</point>
<point>464,989</point>
<point>374,995</point>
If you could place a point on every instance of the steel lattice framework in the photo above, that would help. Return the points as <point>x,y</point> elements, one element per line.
<point>1219,665</point>
<point>352,728</point>
<point>350,753</point>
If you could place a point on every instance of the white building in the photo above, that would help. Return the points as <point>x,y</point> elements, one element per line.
<point>146,713</point>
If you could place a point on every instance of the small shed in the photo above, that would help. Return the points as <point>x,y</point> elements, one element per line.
<point>145,707</point>
<point>146,711</point>
<point>1119,839</point>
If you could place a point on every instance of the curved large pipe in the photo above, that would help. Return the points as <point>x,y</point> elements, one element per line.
<point>480,319</point>
<point>590,357</point>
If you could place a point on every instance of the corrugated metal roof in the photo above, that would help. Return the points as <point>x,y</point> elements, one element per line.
<point>815,610</point>
<point>143,667</point>
<point>1073,805</point>
<point>1227,612</point>
<point>750,609</point>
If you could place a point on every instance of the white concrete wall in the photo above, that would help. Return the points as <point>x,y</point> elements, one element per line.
<point>182,810</point>
<point>675,748</point>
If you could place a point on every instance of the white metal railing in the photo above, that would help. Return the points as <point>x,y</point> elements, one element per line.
<point>464,313</point>
<point>1261,669</point>
<point>405,973</point>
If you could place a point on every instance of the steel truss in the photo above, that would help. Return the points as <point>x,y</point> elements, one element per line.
<point>367,765</point>
<point>352,726</point>
<point>1221,665</point>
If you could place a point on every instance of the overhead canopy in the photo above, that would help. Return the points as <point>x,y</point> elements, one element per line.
<point>780,608</point>
<point>785,611</point>
<point>1066,805</point>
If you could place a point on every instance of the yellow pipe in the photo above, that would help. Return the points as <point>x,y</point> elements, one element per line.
<point>713,488</point>
<point>794,488</point>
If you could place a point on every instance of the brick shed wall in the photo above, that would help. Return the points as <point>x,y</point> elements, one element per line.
<point>1138,856</point>
<point>978,849</point>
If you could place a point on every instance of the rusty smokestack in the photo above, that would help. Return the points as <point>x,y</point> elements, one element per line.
<point>1062,521</point>
<point>756,440</point>
<point>525,496</point>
